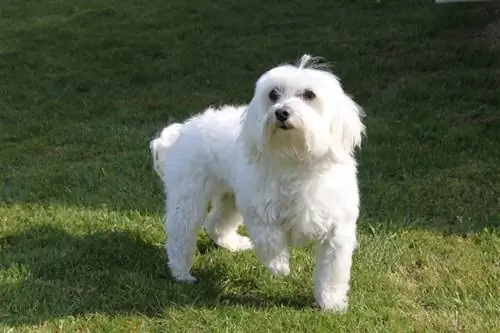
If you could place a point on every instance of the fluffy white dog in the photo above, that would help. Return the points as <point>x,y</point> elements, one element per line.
<point>283,164</point>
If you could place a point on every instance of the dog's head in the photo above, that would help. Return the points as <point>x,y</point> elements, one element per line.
<point>301,113</point>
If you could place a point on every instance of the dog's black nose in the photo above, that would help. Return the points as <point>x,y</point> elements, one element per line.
<point>282,114</point>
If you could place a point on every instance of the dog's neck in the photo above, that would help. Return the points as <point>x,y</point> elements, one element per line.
<point>289,160</point>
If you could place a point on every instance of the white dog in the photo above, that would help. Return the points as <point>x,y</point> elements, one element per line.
<point>284,163</point>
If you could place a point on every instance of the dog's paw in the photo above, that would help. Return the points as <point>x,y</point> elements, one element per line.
<point>279,267</point>
<point>333,303</point>
<point>235,243</point>
<point>185,277</point>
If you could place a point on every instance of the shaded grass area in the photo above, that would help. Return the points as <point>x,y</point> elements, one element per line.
<point>85,84</point>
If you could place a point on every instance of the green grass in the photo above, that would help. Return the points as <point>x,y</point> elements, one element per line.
<point>85,84</point>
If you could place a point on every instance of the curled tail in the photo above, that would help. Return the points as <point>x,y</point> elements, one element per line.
<point>159,147</point>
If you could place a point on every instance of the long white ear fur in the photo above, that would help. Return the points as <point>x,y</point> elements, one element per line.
<point>346,129</point>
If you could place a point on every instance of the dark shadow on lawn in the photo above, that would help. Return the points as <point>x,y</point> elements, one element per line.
<point>106,272</point>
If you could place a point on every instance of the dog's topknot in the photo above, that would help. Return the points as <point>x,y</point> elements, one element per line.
<point>307,61</point>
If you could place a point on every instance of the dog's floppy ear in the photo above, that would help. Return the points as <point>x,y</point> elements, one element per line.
<point>250,133</point>
<point>346,127</point>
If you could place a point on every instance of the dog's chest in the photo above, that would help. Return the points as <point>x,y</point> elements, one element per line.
<point>299,208</point>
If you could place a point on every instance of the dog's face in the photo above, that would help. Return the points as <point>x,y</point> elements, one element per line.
<point>301,113</point>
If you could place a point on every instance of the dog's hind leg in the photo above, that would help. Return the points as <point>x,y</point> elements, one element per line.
<point>222,225</point>
<point>183,222</point>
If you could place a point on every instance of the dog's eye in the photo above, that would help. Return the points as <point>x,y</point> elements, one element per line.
<point>274,95</point>
<point>308,95</point>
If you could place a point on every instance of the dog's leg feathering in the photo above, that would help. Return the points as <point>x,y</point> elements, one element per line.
<point>222,225</point>
<point>183,222</point>
<point>333,271</point>
<point>271,246</point>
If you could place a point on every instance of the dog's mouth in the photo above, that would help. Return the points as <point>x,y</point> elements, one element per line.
<point>284,125</point>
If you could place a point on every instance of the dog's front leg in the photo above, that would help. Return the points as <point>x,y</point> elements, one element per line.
<point>333,271</point>
<point>270,244</point>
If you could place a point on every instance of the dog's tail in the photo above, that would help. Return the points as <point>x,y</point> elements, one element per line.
<point>160,146</point>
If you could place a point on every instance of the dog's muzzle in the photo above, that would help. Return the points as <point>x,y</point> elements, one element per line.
<point>282,115</point>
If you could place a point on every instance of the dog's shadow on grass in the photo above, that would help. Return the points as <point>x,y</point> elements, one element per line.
<point>49,273</point>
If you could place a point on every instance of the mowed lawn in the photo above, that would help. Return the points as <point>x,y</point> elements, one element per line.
<point>84,85</point>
